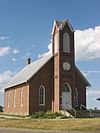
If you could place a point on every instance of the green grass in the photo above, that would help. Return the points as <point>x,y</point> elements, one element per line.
<point>92,124</point>
<point>20,116</point>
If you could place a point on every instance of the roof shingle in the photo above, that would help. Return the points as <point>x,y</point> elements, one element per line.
<point>28,71</point>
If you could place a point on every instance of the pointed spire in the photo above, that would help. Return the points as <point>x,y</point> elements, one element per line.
<point>61,24</point>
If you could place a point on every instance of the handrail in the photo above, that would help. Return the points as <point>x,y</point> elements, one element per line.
<point>86,109</point>
<point>72,109</point>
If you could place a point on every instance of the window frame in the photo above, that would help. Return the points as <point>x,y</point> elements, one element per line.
<point>42,104</point>
<point>14,98</point>
<point>8,99</point>
<point>66,84</point>
<point>21,97</point>
<point>66,43</point>
<point>76,96</point>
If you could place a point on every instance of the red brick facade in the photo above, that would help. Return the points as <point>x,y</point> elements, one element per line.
<point>52,77</point>
<point>17,109</point>
<point>43,77</point>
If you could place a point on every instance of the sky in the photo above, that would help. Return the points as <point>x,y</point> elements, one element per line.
<point>25,31</point>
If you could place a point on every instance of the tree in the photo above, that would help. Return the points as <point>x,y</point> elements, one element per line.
<point>98,99</point>
<point>95,108</point>
<point>1,108</point>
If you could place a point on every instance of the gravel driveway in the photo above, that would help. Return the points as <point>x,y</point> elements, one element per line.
<point>38,131</point>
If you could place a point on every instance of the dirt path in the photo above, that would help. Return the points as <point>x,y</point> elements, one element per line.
<point>38,131</point>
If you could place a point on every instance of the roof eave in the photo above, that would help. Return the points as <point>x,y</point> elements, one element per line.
<point>39,69</point>
<point>15,85</point>
<point>83,77</point>
<point>62,26</point>
<point>54,24</point>
<point>70,26</point>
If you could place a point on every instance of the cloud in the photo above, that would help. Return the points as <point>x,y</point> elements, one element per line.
<point>26,56</point>
<point>13,59</point>
<point>46,53</point>
<point>86,73</point>
<point>95,71</point>
<point>87,44</point>
<point>3,38</point>
<point>4,50</point>
<point>93,92</point>
<point>92,95</point>
<point>4,78</point>
<point>15,51</point>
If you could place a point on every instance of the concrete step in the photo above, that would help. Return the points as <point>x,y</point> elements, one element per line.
<point>66,113</point>
<point>72,112</point>
<point>77,114</point>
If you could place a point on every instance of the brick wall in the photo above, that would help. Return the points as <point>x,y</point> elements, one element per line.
<point>81,87</point>
<point>62,75</point>
<point>43,77</point>
<point>52,77</point>
<point>17,109</point>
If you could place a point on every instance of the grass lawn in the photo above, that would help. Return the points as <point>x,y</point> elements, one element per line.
<point>92,124</point>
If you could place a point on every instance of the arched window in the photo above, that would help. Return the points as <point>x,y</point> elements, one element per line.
<point>8,101</point>
<point>21,97</point>
<point>41,95</point>
<point>14,98</point>
<point>76,97</point>
<point>66,88</point>
<point>66,43</point>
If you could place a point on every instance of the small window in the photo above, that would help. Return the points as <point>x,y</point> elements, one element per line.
<point>14,97</point>
<point>21,97</point>
<point>66,88</point>
<point>41,95</point>
<point>66,43</point>
<point>8,101</point>
<point>76,97</point>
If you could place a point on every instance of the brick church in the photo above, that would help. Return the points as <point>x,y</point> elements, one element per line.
<point>50,83</point>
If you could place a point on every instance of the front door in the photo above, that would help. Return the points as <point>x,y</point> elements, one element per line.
<point>66,100</point>
<point>66,97</point>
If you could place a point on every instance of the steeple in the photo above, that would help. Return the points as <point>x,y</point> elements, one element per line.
<point>60,24</point>
<point>63,51</point>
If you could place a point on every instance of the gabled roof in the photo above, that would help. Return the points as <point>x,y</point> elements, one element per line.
<point>28,72</point>
<point>61,24</point>
<point>82,77</point>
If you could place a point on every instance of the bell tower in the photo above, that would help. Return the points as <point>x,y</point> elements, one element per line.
<point>64,62</point>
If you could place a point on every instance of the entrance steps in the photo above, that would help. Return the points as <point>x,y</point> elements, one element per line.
<point>83,114</point>
<point>76,113</point>
<point>66,113</point>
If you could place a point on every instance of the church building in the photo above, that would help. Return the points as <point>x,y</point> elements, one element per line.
<point>51,83</point>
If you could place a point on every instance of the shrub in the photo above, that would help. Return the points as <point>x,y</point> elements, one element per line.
<point>1,109</point>
<point>48,115</point>
<point>39,114</point>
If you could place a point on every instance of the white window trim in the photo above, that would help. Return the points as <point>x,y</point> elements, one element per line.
<point>43,96</point>
<point>69,87</point>
<point>69,92</point>
<point>66,43</point>
<point>76,91</point>
<point>14,98</point>
<point>8,99</point>
<point>21,97</point>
